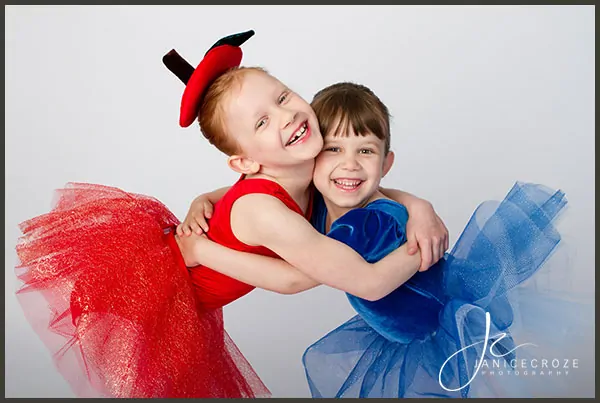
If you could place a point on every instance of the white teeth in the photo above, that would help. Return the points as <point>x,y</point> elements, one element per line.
<point>295,138</point>
<point>299,134</point>
<point>347,183</point>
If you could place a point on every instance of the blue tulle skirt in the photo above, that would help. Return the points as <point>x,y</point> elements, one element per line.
<point>442,332</point>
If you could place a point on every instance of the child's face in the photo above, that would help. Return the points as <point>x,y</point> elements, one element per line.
<point>273,125</point>
<point>350,167</point>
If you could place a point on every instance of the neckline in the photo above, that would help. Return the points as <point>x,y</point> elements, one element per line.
<point>296,206</point>
<point>367,206</point>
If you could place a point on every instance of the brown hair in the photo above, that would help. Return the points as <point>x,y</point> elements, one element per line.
<point>352,105</point>
<point>210,115</point>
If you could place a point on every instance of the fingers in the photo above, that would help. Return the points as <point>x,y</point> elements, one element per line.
<point>426,255</point>
<point>436,246</point>
<point>199,224</point>
<point>445,236</point>
<point>446,241</point>
<point>444,245</point>
<point>442,248</point>
<point>187,231</point>
<point>194,227</point>
<point>188,227</point>
<point>196,220</point>
<point>412,244</point>
<point>183,229</point>
<point>208,210</point>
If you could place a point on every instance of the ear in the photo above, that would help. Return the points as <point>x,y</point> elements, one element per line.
<point>243,165</point>
<point>387,163</point>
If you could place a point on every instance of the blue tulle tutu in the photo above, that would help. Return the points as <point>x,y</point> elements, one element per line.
<point>432,336</point>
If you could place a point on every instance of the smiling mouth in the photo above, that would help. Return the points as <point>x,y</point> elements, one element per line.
<point>347,185</point>
<point>298,135</point>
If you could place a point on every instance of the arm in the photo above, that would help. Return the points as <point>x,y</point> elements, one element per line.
<point>260,271</point>
<point>425,230</point>
<point>216,195</point>
<point>401,197</point>
<point>259,219</point>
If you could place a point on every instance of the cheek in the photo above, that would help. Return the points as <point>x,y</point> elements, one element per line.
<point>301,105</point>
<point>321,171</point>
<point>298,101</point>
<point>325,160</point>
<point>370,166</point>
<point>267,141</point>
<point>245,144</point>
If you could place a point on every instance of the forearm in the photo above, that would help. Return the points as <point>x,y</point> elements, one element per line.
<point>402,197</point>
<point>339,266</point>
<point>216,195</point>
<point>394,270</point>
<point>260,271</point>
<point>370,281</point>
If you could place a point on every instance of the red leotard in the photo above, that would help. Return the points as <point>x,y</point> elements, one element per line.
<point>214,289</point>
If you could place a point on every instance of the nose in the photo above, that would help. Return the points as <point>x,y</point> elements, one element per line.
<point>350,163</point>
<point>288,118</point>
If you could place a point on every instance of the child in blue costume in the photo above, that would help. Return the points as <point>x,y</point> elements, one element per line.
<point>428,337</point>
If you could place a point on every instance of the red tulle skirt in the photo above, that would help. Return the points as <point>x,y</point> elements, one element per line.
<point>106,289</point>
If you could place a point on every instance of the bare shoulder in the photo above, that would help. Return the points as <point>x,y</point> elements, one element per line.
<point>255,216</point>
<point>258,206</point>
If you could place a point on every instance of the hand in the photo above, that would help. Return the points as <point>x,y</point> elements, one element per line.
<point>427,232</point>
<point>189,248</point>
<point>195,221</point>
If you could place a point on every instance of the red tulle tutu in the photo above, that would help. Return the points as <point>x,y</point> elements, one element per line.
<point>106,289</point>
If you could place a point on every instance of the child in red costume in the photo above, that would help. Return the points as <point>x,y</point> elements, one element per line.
<point>213,288</point>
<point>110,269</point>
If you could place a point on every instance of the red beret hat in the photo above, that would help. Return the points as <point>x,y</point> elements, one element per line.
<point>222,56</point>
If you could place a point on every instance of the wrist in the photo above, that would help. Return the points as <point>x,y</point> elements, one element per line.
<point>187,250</point>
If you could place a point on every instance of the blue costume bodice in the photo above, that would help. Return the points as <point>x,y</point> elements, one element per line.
<point>397,346</point>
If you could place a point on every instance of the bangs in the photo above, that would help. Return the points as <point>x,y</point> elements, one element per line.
<point>339,109</point>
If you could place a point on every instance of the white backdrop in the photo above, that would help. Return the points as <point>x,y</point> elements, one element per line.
<point>481,97</point>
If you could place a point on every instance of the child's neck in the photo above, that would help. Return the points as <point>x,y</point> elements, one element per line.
<point>295,180</point>
<point>335,211</point>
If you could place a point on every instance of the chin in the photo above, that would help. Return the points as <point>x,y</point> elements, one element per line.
<point>346,202</point>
